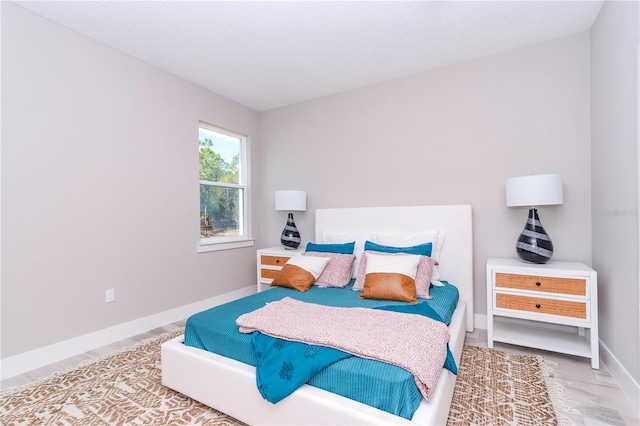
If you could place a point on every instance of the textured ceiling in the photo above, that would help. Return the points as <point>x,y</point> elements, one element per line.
<point>268,54</point>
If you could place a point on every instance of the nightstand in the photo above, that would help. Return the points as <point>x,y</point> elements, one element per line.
<point>553,306</point>
<point>270,261</point>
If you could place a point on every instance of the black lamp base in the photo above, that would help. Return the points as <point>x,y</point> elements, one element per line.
<point>290,238</point>
<point>534,245</point>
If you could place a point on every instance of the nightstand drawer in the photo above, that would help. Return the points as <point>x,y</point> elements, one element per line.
<point>274,260</point>
<point>541,305</point>
<point>269,273</point>
<point>570,286</point>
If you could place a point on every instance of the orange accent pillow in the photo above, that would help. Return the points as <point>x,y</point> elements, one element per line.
<point>385,286</point>
<point>391,278</point>
<point>300,272</point>
<point>423,275</point>
<point>291,276</point>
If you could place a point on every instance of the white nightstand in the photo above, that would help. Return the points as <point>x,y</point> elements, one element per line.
<point>270,261</point>
<point>552,307</point>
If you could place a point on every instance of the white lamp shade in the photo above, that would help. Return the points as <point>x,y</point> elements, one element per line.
<point>534,190</point>
<point>293,201</point>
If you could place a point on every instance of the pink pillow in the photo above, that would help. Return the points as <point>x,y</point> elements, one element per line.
<point>338,271</point>
<point>423,276</point>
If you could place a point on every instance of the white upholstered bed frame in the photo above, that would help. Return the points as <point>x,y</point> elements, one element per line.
<point>229,385</point>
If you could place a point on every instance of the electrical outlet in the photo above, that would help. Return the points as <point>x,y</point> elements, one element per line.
<point>110,295</point>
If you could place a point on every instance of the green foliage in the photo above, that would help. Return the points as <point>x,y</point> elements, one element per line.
<point>219,206</point>
<point>214,168</point>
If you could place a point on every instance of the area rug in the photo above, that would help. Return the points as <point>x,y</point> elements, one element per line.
<point>124,388</point>
<point>500,388</point>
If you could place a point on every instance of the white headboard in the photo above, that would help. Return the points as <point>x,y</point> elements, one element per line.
<point>456,256</point>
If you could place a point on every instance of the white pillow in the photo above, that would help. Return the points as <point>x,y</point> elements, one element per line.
<point>434,236</point>
<point>337,237</point>
<point>313,265</point>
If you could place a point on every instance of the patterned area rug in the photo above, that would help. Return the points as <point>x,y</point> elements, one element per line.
<point>124,388</point>
<point>495,387</point>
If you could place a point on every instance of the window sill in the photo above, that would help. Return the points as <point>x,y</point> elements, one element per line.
<point>224,245</point>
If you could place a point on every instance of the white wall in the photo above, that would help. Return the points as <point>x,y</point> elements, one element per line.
<point>614,74</point>
<point>100,186</point>
<point>446,136</point>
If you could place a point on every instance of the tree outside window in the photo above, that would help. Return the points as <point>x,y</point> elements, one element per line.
<point>222,183</point>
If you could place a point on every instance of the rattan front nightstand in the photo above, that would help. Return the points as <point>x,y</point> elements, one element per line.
<point>553,306</point>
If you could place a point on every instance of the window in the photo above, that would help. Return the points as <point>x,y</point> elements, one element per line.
<point>223,189</point>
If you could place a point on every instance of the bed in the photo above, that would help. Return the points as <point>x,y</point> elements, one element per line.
<point>230,386</point>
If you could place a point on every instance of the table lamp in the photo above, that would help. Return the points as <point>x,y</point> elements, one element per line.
<point>534,244</point>
<point>291,201</point>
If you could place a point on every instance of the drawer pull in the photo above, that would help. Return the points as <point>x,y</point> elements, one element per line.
<point>538,283</point>
<point>538,305</point>
<point>277,260</point>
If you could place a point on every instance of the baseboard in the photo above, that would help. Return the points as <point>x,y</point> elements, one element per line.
<point>627,383</point>
<point>27,361</point>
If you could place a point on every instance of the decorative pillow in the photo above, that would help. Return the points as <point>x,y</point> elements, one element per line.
<point>423,275</point>
<point>330,236</point>
<point>422,249</point>
<point>300,272</point>
<point>345,248</point>
<point>434,236</point>
<point>337,273</point>
<point>390,277</point>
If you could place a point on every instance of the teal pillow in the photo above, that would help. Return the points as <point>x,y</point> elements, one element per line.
<point>346,248</point>
<point>422,249</point>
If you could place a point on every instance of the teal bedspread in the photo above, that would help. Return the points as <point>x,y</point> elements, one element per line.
<point>375,383</point>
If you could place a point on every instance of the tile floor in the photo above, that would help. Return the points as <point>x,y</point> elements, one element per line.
<point>593,393</point>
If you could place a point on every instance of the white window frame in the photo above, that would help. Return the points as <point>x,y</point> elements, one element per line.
<point>231,242</point>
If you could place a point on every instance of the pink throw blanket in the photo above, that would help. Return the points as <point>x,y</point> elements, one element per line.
<point>414,342</point>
